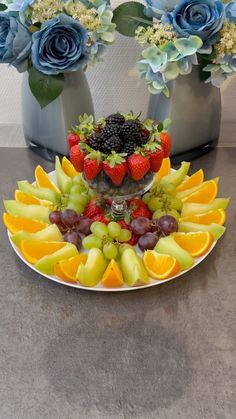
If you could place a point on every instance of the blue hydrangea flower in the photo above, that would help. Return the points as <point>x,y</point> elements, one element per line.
<point>15,42</point>
<point>197,17</point>
<point>231,11</point>
<point>17,5</point>
<point>60,46</point>
<point>155,8</point>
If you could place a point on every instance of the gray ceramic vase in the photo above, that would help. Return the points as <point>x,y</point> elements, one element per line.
<point>46,129</point>
<point>195,110</point>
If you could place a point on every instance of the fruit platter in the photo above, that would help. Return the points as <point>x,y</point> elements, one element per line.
<point>115,216</point>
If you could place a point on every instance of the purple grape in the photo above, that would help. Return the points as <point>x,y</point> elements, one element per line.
<point>69,217</point>
<point>167,224</point>
<point>74,238</point>
<point>141,225</point>
<point>148,241</point>
<point>83,225</point>
<point>55,217</point>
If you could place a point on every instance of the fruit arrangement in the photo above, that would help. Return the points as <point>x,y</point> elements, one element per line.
<point>63,230</point>
<point>119,154</point>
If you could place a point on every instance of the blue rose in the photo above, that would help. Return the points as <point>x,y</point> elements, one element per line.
<point>197,17</point>
<point>231,11</point>
<point>155,8</point>
<point>15,42</point>
<point>60,46</point>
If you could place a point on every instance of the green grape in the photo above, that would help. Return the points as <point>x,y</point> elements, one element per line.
<point>158,214</point>
<point>174,213</point>
<point>155,204</point>
<point>77,179</point>
<point>156,188</point>
<point>123,247</point>
<point>93,225</point>
<point>76,207</point>
<point>168,188</point>
<point>176,203</point>
<point>114,229</point>
<point>110,251</point>
<point>91,241</point>
<point>124,236</point>
<point>146,198</point>
<point>100,230</point>
<point>81,199</point>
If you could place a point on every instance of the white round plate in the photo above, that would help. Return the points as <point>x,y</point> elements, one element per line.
<point>99,287</point>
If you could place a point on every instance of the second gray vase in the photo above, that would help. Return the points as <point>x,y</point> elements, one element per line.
<point>195,110</point>
<point>47,128</point>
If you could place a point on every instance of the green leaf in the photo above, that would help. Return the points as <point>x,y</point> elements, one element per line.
<point>128,16</point>
<point>2,7</point>
<point>45,88</point>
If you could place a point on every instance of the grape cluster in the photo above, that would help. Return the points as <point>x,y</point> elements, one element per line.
<point>150,231</point>
<point>78,197</point>
<point>107,238</point>
<point>160,201</point>
<point>71,225</point>
<point>119,135</point>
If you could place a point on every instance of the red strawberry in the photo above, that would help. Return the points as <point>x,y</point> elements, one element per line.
<point>77,158</point>
<point>115,167</point>
<point>92,165</point>
<point>136,202</point>
<point>134,239</point>
<point>141,212</point>
<point>123,224</point>
<point>138,166</point>
<point>102,218</point>
<point>156,155</point>
<point>92,209</point>
<point>165,143</point>
<point>72,139</point>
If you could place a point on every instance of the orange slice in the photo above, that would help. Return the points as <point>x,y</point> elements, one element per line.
<point>15,224</point>
<point>204,195</point>
<point>197,244</point>
<point>67,268</point>
<point>217,216</point>
<point>58,272</point>
<point>43,180</point>
<point>194,180</point>
<point>68,168</point>
<point>35,250</point>
<point>27,199</point>
<point>112,276</point>
<point>164,169</point>
<point>160,266</point>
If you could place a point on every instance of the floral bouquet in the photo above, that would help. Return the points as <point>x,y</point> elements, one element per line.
<point>178,35</point>
<point>52,37</point>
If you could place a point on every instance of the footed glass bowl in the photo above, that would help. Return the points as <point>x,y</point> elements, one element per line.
<point>105,188</point>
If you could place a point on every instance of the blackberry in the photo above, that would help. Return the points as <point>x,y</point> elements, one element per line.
<point>130,131</point>
<point>115,118</point>
<point>110,130</point>
<point>129,148</point>
<point>114,143</point>
<point>94,141</point>
<point>142,139</point>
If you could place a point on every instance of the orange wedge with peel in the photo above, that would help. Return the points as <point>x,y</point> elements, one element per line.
<point>160,266</point>
<point>112,277</point>
<point>67,268</point>
<point>205,194</point>
<point>27,199</point>
<point>35,250</point>
<point>196,243</point>
<point>217,216</point>
<point>164,169</point>
<point>68,168</point>
<point>15,224</point>
<point>196,179</point>
<point>43,180</point>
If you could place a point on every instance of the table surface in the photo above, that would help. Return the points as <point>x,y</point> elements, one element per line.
<point>166,352</point>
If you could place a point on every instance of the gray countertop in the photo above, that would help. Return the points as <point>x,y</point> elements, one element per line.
<point>166,352</point>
